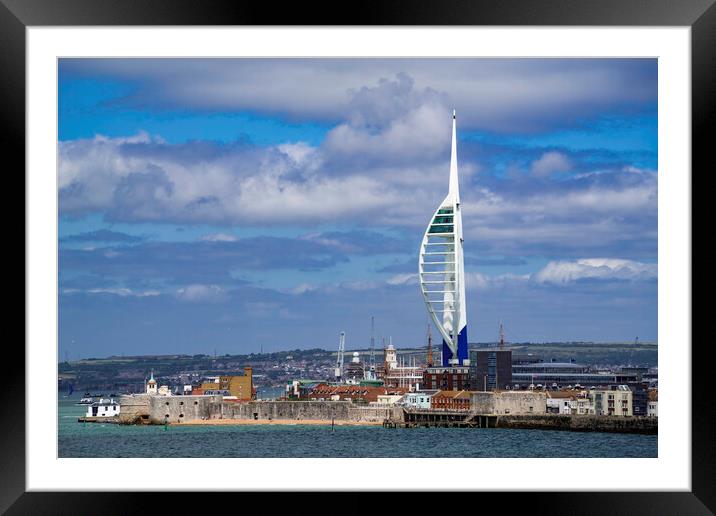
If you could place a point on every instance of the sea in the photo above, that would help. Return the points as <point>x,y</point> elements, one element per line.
<point>109,440</point>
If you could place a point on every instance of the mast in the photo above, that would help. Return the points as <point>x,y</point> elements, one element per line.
<point>372,343</point>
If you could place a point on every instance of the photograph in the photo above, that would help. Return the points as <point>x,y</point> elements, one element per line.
<point>357,257</point>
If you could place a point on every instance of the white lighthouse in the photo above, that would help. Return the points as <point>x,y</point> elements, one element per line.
<point>442,270</point>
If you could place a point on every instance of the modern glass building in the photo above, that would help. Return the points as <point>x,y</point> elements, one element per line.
<point>442,270</point>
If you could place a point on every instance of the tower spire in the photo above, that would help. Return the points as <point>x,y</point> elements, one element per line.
<point>454,189</point>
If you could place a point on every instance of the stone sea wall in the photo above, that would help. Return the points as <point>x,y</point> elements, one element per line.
<point>581,423</point>
<point>297,410</point>
<point>175,409</point>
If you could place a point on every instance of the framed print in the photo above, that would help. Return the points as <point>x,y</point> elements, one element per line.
<point>420,240</point>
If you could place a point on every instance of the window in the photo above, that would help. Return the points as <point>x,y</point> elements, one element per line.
<point>440,229</point>
<point>443,220</point>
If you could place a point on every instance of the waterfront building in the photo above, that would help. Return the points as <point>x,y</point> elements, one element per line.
<point>388,399</point>
<point>491,369</point>
<point>653,404</point>
<point>560,402</point>
<point>419,399</point>
<point>640,395</point>
<point>612,402</point>
<point>441,270</point>
<point>569,402</point>
<point>451,401</point>
<point>103,408</point>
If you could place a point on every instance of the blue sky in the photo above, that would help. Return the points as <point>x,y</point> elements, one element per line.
<point>234,204</point>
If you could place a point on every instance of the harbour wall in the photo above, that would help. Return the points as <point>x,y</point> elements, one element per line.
<point>508,402</point>
<point>581,423</point>
<point>143,408</point>
<point>297,410</point>
<point>134,408</point>
<point>176,409</point>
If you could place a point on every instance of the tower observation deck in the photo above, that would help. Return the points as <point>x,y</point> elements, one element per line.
<point>442,270</point>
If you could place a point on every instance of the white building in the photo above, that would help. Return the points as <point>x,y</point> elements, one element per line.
<point>388,399</point>
<point>565,402</point>
<point>615,402</point>
<point>419,400</point>
<point>103,408</point>
<point>152,385</point>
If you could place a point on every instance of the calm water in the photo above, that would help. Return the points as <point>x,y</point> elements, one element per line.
<point>106,440</point>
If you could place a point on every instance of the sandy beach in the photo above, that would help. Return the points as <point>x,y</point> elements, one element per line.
<point>290,422</point>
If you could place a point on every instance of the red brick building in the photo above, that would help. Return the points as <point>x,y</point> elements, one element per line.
<point>357,393</point>
<point>447,378</point>
<point>451,401</point>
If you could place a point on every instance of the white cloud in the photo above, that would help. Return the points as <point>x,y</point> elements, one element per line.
<point>562,272</point>
<point>403,279</point>
<point>478,281</point>
<point>219,237</point>
<point>121,292</point>
<point>502,94</point>
<point>198,293</point>
<point>550,163</point>
<point>303,288</point>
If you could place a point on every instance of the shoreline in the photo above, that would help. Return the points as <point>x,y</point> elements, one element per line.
<point>278,422</point>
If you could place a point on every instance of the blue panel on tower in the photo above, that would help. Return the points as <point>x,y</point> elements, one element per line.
<point>447,354</point>
<point>462,352</point>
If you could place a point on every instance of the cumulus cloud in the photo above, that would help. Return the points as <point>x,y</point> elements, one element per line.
<point>219,237</point>
<point>561,272</point>
<point>518,95</point>
<point>202,294</point>
<point>550,163</point>
<point>403,279</point>
<point>384,163</point>
<point>610,211</point>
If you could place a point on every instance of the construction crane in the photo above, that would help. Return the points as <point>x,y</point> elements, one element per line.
<point>372,344</point>
<point>341,353</point>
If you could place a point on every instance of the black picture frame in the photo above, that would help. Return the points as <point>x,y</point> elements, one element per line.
<point>700,15</point>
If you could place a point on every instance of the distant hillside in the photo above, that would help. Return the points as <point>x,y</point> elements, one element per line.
<point>127,373</point>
